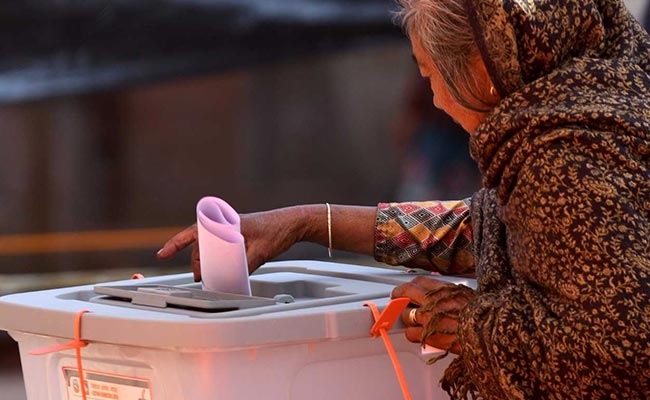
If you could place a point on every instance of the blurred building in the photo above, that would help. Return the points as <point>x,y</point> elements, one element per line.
<point>121,115</point>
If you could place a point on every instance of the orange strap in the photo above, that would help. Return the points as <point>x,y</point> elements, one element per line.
<point>383,322</point>
<point>76,344</point>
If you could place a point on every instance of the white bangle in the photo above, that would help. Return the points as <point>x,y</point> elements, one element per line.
<point>329,229</point>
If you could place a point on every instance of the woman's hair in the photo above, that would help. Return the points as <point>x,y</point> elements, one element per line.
<point>443,30</point>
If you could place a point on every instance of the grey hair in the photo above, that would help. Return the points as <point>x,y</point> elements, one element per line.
<point>444,31</point>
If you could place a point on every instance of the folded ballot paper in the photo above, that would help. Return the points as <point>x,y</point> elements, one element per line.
<point>221,246</point>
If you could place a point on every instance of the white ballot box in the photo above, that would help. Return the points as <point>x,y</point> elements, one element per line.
<point>303,335</point>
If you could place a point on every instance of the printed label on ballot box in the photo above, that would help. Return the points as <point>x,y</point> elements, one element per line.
<point>104,385</point>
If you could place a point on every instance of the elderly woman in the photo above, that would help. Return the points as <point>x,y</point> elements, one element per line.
<point>555,95</point>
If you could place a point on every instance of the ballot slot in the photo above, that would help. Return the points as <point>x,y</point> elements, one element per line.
<point>163,296</point>
<point>279,291</point>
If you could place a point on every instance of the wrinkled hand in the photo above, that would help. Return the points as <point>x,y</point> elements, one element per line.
<point>438,305</point>
<point>267,234</point>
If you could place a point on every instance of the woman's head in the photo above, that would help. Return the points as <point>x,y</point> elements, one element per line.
<point>447,54</point>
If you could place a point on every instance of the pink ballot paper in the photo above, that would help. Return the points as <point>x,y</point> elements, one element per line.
<point>221,247</point>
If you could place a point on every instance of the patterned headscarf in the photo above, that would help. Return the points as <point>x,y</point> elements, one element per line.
<point>568,62</point>
<point>561,229</point>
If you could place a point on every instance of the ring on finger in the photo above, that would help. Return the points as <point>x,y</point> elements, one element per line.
<point>411,318</point>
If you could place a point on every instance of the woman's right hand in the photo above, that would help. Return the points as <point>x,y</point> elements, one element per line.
<point>267,234</point>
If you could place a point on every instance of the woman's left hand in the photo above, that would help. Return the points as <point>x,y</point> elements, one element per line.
<point>437,308</point>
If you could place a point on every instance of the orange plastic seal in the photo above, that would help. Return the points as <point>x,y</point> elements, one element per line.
<point>383,322</point>
<point>76,344</point>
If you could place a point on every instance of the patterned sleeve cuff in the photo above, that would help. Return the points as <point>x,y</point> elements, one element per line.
<point>434,235</point>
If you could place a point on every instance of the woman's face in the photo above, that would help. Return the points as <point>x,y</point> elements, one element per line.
<point>442,99</point>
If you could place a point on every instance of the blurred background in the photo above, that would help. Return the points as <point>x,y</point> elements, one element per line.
<point>116,117</point>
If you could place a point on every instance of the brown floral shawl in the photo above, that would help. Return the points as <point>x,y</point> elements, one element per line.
<point>562,231</point>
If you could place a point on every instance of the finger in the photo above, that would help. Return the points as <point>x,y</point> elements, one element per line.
<point>414,334</point>
<point>414,292</point>
<point>408,320</point>
<point>429,283</point>
<point>177,243</point>
<point>443,333</point>
<point>253,265</point>
<point>443,341</point>
<point>253,256</point>
<point>439,340</point>
<point>196,262</point>
<point>437,290</point>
